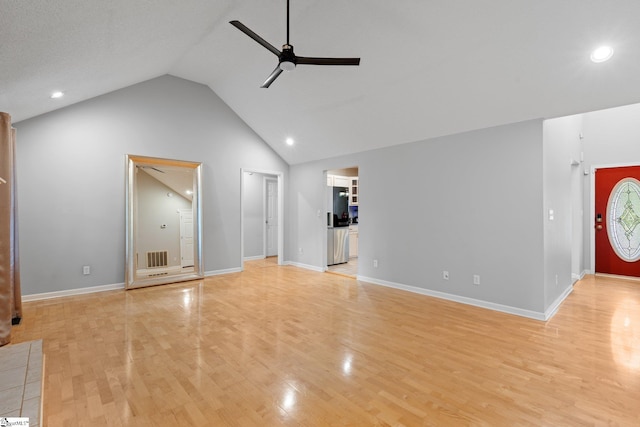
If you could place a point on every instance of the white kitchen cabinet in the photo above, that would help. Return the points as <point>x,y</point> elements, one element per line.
<point>354,191</point>
<point>353,241</point>
<point>341,181</point>
<point>338,181</point>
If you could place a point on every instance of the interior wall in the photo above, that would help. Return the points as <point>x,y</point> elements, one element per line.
<point>611,138</point>
<point>561,168</point>
<point>71,179</point>
<point>470,204</point>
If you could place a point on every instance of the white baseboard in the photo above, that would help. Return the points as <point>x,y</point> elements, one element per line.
<point>71,292</point>
<point>457,298</point>
<point>553,308</point>
<point>305,266</point>
<point>223,271</point>
<point>254,258</point>
<point>104,288</point>
<point>576,277</point>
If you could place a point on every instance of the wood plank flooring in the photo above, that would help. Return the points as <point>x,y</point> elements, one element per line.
<point>282,346</point>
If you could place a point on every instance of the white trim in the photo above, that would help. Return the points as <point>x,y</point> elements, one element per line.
<point>578,277</point>
<point>105,288</point>
<point>223,271</point>
<point>536,315</point>
<point>553,308</point>
<point>305,266</point>
<point>72,292</point>
<point>254,258</point>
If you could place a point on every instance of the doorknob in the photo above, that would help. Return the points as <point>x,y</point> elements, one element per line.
<point>599,222</point>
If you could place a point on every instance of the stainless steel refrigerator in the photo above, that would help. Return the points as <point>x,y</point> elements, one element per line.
<point>338,228</point>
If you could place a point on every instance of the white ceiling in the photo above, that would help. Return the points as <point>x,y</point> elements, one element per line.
<point>429,67</point>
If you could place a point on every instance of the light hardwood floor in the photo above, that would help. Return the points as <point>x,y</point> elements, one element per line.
<point>284,346</point>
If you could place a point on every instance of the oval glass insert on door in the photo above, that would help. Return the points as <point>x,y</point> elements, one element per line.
<point>623,219</point>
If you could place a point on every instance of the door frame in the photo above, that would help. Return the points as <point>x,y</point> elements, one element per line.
<point>592,208</point>
<point>280,177</point>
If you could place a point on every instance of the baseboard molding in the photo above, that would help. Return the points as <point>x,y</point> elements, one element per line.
<point>578,277</point>
<point>457,298</point>
<point>104,288</point>
<point>72,292</point>
<point>553,308</point>
<point>223,271</point>
<point>305,266</point>
<point>254,258</point>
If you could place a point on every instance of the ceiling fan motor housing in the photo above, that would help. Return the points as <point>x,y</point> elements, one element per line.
<point>287,58</point>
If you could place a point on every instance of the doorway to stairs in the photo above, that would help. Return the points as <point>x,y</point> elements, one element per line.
<point>261,219</point>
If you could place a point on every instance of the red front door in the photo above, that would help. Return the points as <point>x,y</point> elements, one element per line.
<point>617,194</point>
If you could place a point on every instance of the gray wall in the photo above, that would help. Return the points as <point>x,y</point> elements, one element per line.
<point>562,195</point>
<point>611,137</point>
<point>470,204</point>
<point>72,170</point>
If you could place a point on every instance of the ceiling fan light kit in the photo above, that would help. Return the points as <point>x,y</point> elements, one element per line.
<point>287,60</point>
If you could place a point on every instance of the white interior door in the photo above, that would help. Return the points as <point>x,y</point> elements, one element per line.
<point>271,217</point>
<point>186,238</point>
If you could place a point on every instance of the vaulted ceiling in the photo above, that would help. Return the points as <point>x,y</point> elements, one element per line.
<point>429,67</point>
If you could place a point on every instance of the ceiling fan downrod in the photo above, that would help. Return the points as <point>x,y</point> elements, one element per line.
<point>287,60</point>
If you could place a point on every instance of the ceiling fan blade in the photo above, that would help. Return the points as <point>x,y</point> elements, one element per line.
<point>239,25</point>
<point>327,61</point>
<point>274,75</point>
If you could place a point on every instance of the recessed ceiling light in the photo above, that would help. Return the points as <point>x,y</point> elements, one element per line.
<point>57,94</point>
<point>601,54</point>
<point>289,141</point>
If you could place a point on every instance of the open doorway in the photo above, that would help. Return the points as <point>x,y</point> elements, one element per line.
<point>342,199</point>
<point>271,214</point>
<point>261,219</point>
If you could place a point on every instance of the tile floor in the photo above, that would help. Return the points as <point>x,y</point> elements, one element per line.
<point>21,367</point>
<point>347,269</point>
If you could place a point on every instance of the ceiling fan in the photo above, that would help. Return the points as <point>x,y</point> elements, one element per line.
<point>287,60</point>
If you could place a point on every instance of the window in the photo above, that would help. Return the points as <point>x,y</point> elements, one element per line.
<point>623,219</point>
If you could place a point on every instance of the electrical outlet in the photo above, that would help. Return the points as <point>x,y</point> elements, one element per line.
<point>375,263</point>
<point>445,275</point>
<point>300,250</point>
<point>476,279</point>
<point>86,270</point>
